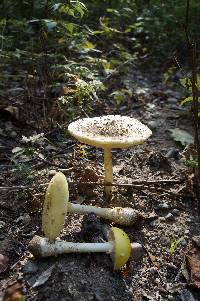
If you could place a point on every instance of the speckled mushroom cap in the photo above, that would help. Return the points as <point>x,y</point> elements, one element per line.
<point>112,131</point>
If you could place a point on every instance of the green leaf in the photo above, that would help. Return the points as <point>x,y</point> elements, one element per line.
<point>70,27</point>
<point>186,82</point>
<point>198,83</point>
<point>182,136</point>
<point>88,45</point>
<point>70,12</point>
<point>79,7</point>
<point>174,244</point>
<point>80,10</point>
<point>114,11</point>
<point>186,100</point>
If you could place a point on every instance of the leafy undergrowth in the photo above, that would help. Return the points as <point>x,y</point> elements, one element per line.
<point>31,157</point>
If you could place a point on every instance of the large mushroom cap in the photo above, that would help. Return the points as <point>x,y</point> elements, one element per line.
<point>113,131</point>
<point>55,206</point>
<point>122,247</point>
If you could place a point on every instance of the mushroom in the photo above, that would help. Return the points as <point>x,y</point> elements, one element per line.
<point>118,246</point>
<point>107,132</point>
<point>56,206</point>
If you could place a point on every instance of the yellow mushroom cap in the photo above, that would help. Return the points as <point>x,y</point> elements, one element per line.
<point>122,247</point>
<point>112,131</point>
<point>55,206</point>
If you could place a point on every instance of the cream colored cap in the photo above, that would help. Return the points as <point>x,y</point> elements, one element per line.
<point>113,131</point>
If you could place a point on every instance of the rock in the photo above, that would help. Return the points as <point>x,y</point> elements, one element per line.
<point>162,206</point>
<point>165,241</point>
<point>173,94</point>
<point>152,216</point>
<point>196,240</point>
<point>30,268</point>
<point>13,134</point>
<point>186,295</point>
<point>162,219</point>
<point>8,126</point>
<point>170,217</point>
<point>152,270</point>
<point>136,251</point>
<point>52,172</point>
<point>50,147</point>
<point>173,153</point>
<point>172,100</point>
<point>172,266</point>
<point>153,224</point>
<point>24,219</point>
<point>2,224</point>
<point>183,242</point>
<point>176,229</point>
<point>175,212</point>
<point>153,125</point>
<point>98,295</point>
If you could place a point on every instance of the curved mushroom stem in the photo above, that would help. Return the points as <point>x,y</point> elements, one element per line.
<point>118,215</point>
<point>108,168</point>
<point>43,247</point>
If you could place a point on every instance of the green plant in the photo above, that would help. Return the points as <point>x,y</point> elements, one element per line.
<point>174,244</point>
<point>187,84</point>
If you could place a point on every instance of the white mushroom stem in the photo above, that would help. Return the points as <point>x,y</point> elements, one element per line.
<point>43,247</point>
<point>118,215</point>
<point>108,169</point>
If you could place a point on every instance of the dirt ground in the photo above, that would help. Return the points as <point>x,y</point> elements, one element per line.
<point>166,232</point>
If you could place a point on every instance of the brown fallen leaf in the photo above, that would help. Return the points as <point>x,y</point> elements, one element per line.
<point>14,111</point>
<point>193,267</point>
<point>4,260</point>
<point>14,292</point>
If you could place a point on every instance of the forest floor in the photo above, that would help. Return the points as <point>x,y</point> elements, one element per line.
<point>168,267</point>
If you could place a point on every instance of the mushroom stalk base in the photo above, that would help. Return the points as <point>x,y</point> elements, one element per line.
<point>108,168</point>
<point>42,247</point>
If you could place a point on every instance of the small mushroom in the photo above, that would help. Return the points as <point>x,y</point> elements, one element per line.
<point>107,132</point>
<point>118,246</point>
<point>56,206</point>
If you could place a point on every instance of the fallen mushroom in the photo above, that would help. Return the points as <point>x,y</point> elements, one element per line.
<point>107,132</point>
<point>56,206</point>
<point>118,246</point>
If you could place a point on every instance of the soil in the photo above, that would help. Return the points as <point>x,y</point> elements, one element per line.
<point>169,209</point>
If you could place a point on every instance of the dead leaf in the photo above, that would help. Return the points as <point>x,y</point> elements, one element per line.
<point>90,174</point>
<point>14,111</point>
<point>193,266</point>
<point>182,136</point>
<point>43,277</point>
<point>14,292</point>
<point>4,260</point>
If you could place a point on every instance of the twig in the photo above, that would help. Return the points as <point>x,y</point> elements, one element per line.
<point>133,184</point>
